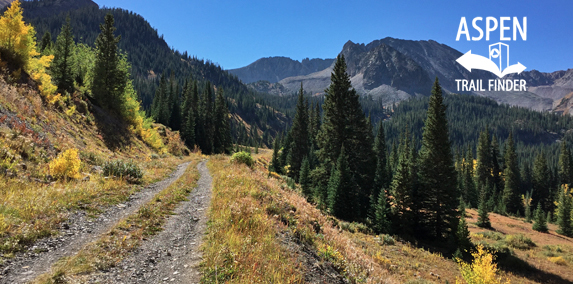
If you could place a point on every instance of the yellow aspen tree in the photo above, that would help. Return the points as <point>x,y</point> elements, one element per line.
<point>16,36</point>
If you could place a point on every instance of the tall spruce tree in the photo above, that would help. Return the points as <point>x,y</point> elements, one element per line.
<point>275,166</point>
<point>46,43</point>
<point>344,123</point>
<point>540,224</point>
<point>222,140</point>
<point>437,174</point>
<point>483,167</point>
<point>565,164</point>
<point>382,218</point>
<point>63,64</point>
<point>483,212</point>
<point>540,183</point>
<point>175,119</point>
<point>109,80</point>
<point>511,199</point>
<point>206,126</point>
<point>300,136</point>
<point>401,190</point>
<point>469,194</point>
<point>188,130</point>
<point>564,220</point>
<point>382,176</point>
<point>341,196</point>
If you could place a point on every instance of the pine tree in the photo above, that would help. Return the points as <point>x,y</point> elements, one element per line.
<point>401,190</point>
<point>483,213</point>
<point>381,177</point>
<point>495,168</point>
<point>436,171</point>
<point>540,224</point>
<point>382,219</point>
<point>275,166</point>
<point>470,194</point>
<point>511,199</point>
<point>285,145</point>
<point>527,202</point>
<point>540,183</point>
<point>341,196</point>
<point>188,130</point>
<point>462,233</point>
<point>304,180</point>
<point>62,66</point>
<point>174,104</point>
<point>160,105</point>
<point>206,126</point>
<point>222,141</point>
<point>300,137</point>
<point>483,167</point>
<point>108,80</point>
<point>564,220</point>
<point>344,123</point>
<point>565,161</point>
<point>46,43</point>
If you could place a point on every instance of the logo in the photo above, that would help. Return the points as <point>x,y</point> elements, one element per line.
<point>498,62</point>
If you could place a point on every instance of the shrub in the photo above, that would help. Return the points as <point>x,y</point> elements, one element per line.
<point>483,270</point>
<point>519,241</point>
<point>66,165</point>
<point>558,260</point>
<point>124,169</point>
<point>242,158</point>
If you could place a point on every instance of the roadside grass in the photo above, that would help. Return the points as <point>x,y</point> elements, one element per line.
<point>241,244</point>
<point>30,210</point>
<point>524,256</point>
<point>115,245</point>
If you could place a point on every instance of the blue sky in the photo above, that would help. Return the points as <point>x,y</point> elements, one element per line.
<point>236,33</point>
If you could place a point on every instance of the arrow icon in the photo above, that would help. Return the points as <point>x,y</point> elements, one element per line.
<point>474,61</point>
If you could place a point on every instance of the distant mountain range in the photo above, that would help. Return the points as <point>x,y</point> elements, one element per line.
<point>395,69</point>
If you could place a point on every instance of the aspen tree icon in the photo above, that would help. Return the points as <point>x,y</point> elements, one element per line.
<point>499,53</point>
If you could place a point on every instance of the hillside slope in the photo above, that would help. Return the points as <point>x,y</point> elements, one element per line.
<point>274,69</point>
<point>395,69</point>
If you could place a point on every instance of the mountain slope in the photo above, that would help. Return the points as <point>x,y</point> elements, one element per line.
<point>150,56</point>
<point>274,69</point>
<point>395,69</point>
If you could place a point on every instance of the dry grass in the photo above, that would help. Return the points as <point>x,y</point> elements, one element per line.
<point>241,244</point>
<point>127,235</point>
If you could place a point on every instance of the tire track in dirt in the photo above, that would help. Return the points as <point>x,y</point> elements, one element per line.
<point>77,232</point>
<point>173,255</point>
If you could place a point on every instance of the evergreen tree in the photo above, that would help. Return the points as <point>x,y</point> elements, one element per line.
<point>528,207</point>
<point>286,143</point>
<point>382,219</point>
<point>401,190</point>
<point>341,196</point>
<point>565,162</point>
<point>540,183</point>
<point>304,180</point>
<point>206,126</point>
<point>470,194</point>
<point>188,130</point>
<point>564,220</point>
<point>300,137</point>
<point>275,166</point>
<point>495,168</point>
<point>511,199</point>
<point>381,177</point>
<point>222,141</point>
<point>62,66</point>
<point>483,213</point>
<point>174,104</point>
<point>109,80</point>
<point>540,224</point>
<point>436,171</point>
<point>46,43</point>
<point>483,167</point>
<point>160,106</point>
<point>464,243</point>
<point>344,123</point>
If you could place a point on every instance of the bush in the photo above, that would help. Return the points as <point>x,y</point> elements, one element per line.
<point>124,169</point>
<point>242,158</point>
<point>519,241</point>
<point>559,260</point>
<point>66,165</point>
<point>483,270</point>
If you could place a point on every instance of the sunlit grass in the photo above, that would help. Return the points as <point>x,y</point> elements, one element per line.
<point>128,234</point>
<point>241,244</point>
